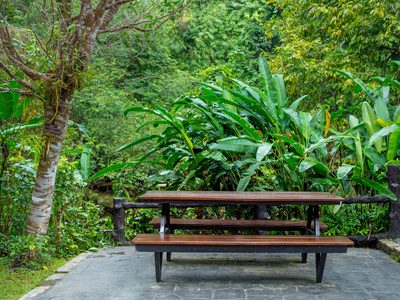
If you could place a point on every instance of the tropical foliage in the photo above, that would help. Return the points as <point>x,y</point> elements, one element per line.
<point>227,139</point>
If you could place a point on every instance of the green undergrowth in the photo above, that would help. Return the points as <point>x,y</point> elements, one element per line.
<point>16,282</point>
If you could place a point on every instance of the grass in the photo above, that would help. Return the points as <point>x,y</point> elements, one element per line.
<point>14,283</point>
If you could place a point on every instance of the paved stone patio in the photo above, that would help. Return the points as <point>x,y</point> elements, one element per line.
<point>123,273</point>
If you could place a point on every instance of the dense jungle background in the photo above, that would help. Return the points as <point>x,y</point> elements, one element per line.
<point>226,95</point>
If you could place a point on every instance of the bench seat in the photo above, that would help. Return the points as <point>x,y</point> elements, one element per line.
<point>159,243</point>
<point>220,224</point>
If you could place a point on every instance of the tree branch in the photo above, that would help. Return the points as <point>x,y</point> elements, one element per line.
<point>14,58</point>
<point>16,78</point>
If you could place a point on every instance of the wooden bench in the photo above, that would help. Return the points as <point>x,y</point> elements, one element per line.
<point>218,224</point>
<point>159,243</point>
<point>222,224</point>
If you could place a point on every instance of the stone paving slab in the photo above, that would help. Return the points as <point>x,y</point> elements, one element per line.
<point>123,273</point>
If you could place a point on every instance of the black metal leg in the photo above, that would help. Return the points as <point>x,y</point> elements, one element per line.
<point>310,214</point>
<point>165,219</point>
<point>169,253</point>
<point>165,223</point>
<point>320,259</point>
<point>316,220</point>
<point>158,256</point>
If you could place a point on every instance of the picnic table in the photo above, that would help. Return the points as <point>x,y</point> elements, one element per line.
<point>304,244</point>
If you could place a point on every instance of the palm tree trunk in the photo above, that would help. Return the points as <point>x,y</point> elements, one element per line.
<point>57,113</point>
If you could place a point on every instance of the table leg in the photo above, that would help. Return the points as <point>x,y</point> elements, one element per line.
<point>310,215</point>
<point>165,223</point>
<point>320,259</point>
<point>158,256</point>
<point>165,218</point>
<point>316,220</point>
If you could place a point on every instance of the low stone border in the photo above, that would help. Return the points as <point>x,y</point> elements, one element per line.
<point>60,273</point>
<point>389,246</point>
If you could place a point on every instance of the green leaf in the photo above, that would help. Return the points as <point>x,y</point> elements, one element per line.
<point>343,170</point>
<point>267,80</point>
<point>371,94</point>
<point>211,86</point>
<point>372,126</point>
<point>248,128</point>
<point>188,176</point>
<point>376,186</point>
<point>306,164</point>
<point>381,110</point>
<point>22,107</point>
<point>395,63</point>
<point>345,73</point>
<point>377,158</point>
<point>305,119</point>
<point>244,181</point>
<point>294,116</point>
<point>2,133</point>
<point>138,141</point>
<point>394,143</point>
<point>280,89</point>
<point>85,163</point>
<point>263,150</point>
<point>359,153</point>
<point>81,128</point>
<point>383,132</point>
<point>74,152</point>
<point>396,115</point>
<point>6,105</point>
<point>292,142</point>
<point>113,168</point>
<point>235,145</point>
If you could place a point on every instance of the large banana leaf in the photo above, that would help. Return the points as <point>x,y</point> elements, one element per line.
<point>138,141</point>
<point>371,124</point>
<point>375,185</point>
<point>263,150</point>
<point>292,142</point>
<point>255,107</point>
<point>114,168</point>
<point>343,170</point>
<point>247,127</point>
<point>280,90</point>
<point>6,105</point>
<point>267,80</point>
<point>394,128</point>
<point>394,142</point>
<point>236,145</point>
<point>85,163</point>
<point>357,141</point>
<point>294,116</point>
<point>305,122</point>
<point>286,118</point>
<point>174,122</point>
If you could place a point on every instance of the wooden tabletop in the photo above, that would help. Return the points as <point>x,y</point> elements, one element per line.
<point>227,197</point>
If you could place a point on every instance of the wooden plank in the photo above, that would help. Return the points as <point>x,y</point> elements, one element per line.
<point>228,197</point>
<point>240,240</point>
<point>221,224</point>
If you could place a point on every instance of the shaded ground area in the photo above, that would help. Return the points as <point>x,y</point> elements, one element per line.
<point>122,273</point>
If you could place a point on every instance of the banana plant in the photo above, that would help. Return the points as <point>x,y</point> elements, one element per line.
<point>382,126</point>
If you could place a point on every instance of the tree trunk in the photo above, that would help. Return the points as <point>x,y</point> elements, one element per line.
<point>57,113</point>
